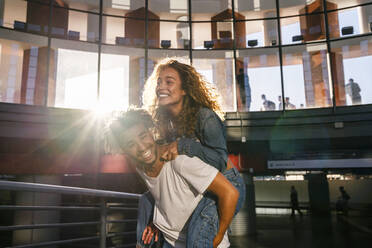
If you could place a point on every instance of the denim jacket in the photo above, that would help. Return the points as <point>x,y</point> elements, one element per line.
<point>210,145</point>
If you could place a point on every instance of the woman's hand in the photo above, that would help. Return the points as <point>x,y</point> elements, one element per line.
<point>170,151</point>
<point>149,232</point>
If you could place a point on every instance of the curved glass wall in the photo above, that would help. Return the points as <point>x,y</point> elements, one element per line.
<point>262,55</point>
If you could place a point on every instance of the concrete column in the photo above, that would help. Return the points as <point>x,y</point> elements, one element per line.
<point>318,194</point>
<point>36,217</point>
<point>270,30</point>
<point>366,19</point>
<point>245,221</point>
<point>93,27</point>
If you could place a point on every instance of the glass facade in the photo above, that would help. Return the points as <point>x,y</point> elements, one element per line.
<point>270,55</point>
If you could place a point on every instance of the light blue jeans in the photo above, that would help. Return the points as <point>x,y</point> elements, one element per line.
<point>204,222</point>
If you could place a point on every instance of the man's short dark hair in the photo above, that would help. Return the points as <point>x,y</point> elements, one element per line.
<point>121,123</point>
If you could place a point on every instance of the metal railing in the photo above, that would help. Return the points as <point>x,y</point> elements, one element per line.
<point>106,203</point>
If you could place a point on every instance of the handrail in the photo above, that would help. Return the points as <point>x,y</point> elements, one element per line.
<point>104,208</point>
<point>49,188</point>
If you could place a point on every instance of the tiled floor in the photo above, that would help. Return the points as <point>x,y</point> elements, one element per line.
<point>284,231</point>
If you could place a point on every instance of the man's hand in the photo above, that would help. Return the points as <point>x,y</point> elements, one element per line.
<point>170,151</point>
<point>149,232</point>
<point>217,240</point>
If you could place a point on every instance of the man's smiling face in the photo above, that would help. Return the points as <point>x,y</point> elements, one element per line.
<point>139,144</point>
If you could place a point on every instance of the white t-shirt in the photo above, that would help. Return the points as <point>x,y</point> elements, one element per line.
<point>177,191</point>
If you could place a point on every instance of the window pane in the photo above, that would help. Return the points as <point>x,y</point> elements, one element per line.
<point>201,33</point>
<point>352,60</point>
<point>22,68</point>
<point>290,27</point>
<point>121,7</point>
<point>258,33</point>
<point>306,76</point>
<point>14,13</point>
<point>73,74</point>
<point>302,29</point>
<point>122,71</point>
<point>157,54</point>
<point>218,68</point>
<point>349,22</point>
<point>114,30</point>
<point>205,10</point>
<point>30,16</point>
<point>91,5</point>
<point>262,68</point>
<point>296,7</point>
<point>168,10</point>
<point>82,26</point>
<point>126,32</point>
<point>338,4</point>
<point>172,35</point>
<point>254,9</point>
<point>217,34</point>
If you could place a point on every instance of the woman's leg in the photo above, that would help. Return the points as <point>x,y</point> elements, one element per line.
<point>204,222</point>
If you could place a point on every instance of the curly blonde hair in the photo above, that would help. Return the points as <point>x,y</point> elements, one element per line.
<point>199,93</point>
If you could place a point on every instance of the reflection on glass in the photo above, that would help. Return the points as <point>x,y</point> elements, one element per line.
<point>261,33</point>
<point>338,4</point>
<point>23,72</point>
<point>263,84</point>
<point>302,29</point>
<point>73,72</point>
<point>91,5</point>
<point>82,26</point>
<point>201,32</point>
<point>203,10</point>
<point>351,21</point>
<point>306,77</point>
<point>218,34</point>
<point>121,7</point>
<point>253,9</point>
<point>290,27</point>
<point>172,35</point>
<point>218,68</point>
<point>14,13</point>
<point>352,61</point>
<point>114,30</point>
<point>168,10</point>
<point>296,7</point>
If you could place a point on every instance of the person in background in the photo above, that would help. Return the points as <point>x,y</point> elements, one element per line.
<point>244,89</point>
<point>353,90</point>
<point>280,103</point>
<point>288,104</point>
<point>294,201</point>
<point>342,203</point>
<point>267,105</point>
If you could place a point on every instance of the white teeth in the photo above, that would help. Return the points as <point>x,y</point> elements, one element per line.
<point>163,95</point>
<point>146,154</point>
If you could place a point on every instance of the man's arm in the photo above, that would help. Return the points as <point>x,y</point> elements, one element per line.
<point>227,199</point>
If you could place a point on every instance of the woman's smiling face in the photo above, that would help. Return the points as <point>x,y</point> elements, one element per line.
<point>169,90</point>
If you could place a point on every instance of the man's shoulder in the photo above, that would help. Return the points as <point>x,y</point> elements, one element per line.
<point>184,160</point>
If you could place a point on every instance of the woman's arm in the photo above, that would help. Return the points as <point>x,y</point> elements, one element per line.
<point>212,147</point>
